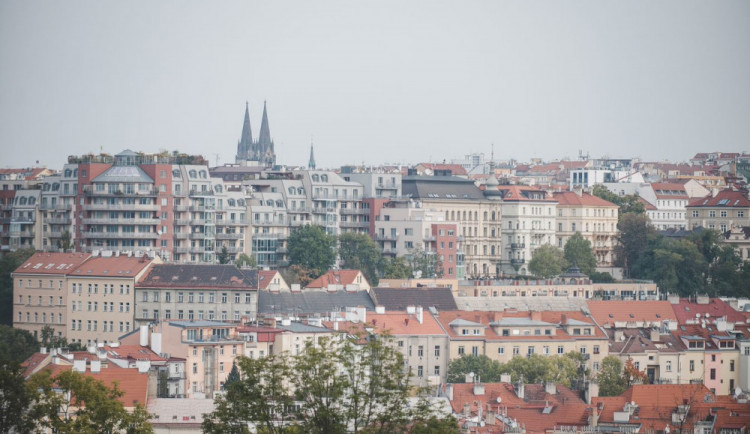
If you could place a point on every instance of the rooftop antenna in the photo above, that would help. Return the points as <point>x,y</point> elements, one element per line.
<point>217,159</point>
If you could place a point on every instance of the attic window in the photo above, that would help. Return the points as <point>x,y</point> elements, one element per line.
<point>632,316</point>
<point>658,315</point>
<point>175,277</point>
<point>212,278</point>
<point>611,316</point>
<point>194,278</point>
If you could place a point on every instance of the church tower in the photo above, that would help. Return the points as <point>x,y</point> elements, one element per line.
<point>311,163</point>
<point>260,152</point>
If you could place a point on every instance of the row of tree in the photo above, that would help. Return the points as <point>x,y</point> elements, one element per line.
<point>549,261</point>
<point>613,376</point>
<point>312,252</point>
<point>337,386</point>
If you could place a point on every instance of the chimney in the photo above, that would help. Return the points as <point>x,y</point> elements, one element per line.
<point>43,350</point>
<point>619,334</point>
<point>156,342</point>
<point>505,378</point>
<point>467,410</point>
<point>594,418</point>
<point>79,365</point>
<point>655,335</point>
<point>379,309</point>
<point>550,387</point>
<point>536,315</point>
<point>406,322</point>
<point>96,366</point>
<point>478,389</point>
<point>563,319</point>
<point>490,418</point>
<point>449,391</point>
<point>144,335</point>
<point>592,391</point>
<point>335,325</point>
<point>497,316</point>
<point>520,389</point>
<point>420,314</point>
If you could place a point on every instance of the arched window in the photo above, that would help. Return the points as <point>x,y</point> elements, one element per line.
<point>193,173</point>
<point>203,174</point>
<point>291,190</point>
<point>269,202</point>
<point>315,178</point>
<point>241,202</point>
<point>324,178</point>
<point>230,202</point>
<point>56,186</point>
<point>279,204</point>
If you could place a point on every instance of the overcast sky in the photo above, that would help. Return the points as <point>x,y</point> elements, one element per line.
<point>375,82</point>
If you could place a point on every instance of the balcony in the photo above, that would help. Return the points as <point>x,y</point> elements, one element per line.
<point>354,211</point>
<point>385,237</point>
<point>53,234</point>
<point>298,211</point>
<point>517,261</point>
<point>118,221</point>
<point>354,224</point>
<point>234,222</point>
<point>88,191</point>
<point>182,235</point>
<point>120,235</point>
<point>181,249</point>
<point>197,235</point>
<point>58,221</point>
<point>182,222</point>
<point>22,234</point>
<point>181,208</point>
<point>518,245</point>
<point>270,236</point>
<point>197,193</point>
<point>324,210</point>
<point>128,207</point>
<point>18,219</point>
<point>228,236</point>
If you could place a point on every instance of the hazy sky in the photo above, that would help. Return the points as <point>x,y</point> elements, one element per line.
<point>377,81</point>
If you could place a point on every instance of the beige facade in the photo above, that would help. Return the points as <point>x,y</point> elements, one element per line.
<point>101,298</point>
<point>594,218</point>
<point>40,292</point>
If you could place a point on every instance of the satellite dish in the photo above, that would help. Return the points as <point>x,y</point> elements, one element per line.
<point>737,391</point>
<point>499,399</point>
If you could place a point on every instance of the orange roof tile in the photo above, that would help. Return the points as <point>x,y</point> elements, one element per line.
<point>611,311</point>
<point>133,352</point>
<point>728,198</point>
<point>133,383</point>
<point>112,266</point>
<point>585,199</point>
<point>265,277</point>
<point>335,277</point>
<point>716,308</point>
<point>52,263</point>
<point>401,323</point>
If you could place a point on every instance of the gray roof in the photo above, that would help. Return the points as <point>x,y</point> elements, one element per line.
<point>124,174</point>
<point>440,187</point>
<point>546,302</point>
<point>578,322</point>
<point>200,323</point>
<point>309,302</point>
<point>199,276</point>
<point>400,298</point>
<point>465,323</point>
<point>297,327</point>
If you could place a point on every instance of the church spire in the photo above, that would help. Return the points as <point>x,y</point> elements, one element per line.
<point>246,139</point>
<point>264,139</point>
<point>311,163</point>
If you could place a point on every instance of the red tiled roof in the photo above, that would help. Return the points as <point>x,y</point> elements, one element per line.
<point>265,277</point>
<point>456,169</point>
<point>52,263</point>
<point>725,198</point>
<point>716,308</point>
<point>609,312</point>
<point>677,190</point>
<point>34,362</point>
<point>265,334</point>
<point>335,277</point>
<point>585,199</point>
<point>133,383</point>
<point>133,352</point>
<point>646,204</point>
<point>112,266</point>
<point>520,193</point>
<point>401,323</point>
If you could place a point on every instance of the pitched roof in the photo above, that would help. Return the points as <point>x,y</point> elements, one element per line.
<point>402,323</point>
<point>612,311</point>
<point>440,187</point>
<point>132,383</point>
<point>311,302</point>
<point>52,263</point>
<point>725,198</point>
<point>265,277</point>
<point>456,169</point>
<point>133,352</point>
<point>715,308</point>
<point>400,298</point>
<point>199,276</point>
<point>570,198</point>
<point>182,412</point>
<point>112,266</point>
<point>336,277</point>
<point>523,193</point>
<point>669,190</point>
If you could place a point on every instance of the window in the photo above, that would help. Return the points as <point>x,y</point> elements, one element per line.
<point>516,350</point>
<point>437,350</point>
<point>475,351</point>
<point>420,371</point>
<point>596,349</point>
<point>583,350</point>
<point>668,366</point>
<point>530,351</point>
<point>692,365</point>
<point>731,365</point>
<point>461,351</point>
<point>545,350</point>
<point>437,370</point>
<point>223,297</point>
<point>560,349</point>
<point>713,373</point>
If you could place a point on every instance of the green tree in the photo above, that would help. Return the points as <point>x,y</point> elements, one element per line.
<point>631,375</point>
<point>16,345</point>
<point>312,248</point>
<point>578,251</point>
<point>635,234</point>
<point>396,268</point>
<point>66,242</point>
<point>629,204</point>
<point>360,252</point>
<point>246,261</point>
<point>50,340</point>
<point>487,369</point>
<point>75,403</point>
<point>611,381</point>
<point>15,400</point>
<point>425,264</point>
<point>223,255</point>
<point>234,375</point>
<point>675,265</point>
<point>8,264</point>
<point>547,261</point>
<point>341,385</point>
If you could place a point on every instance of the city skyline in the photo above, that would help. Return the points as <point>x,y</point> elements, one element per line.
<point>377,83</point>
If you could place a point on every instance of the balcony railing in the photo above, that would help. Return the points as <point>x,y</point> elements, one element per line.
<point>517,245</point>
<point>354,211</point>
<point>121,235</point>
<point>58,221</point>
<point>517,261</point>
<point>120,221</point>
<point>228,236</point>
<point>129,207</point>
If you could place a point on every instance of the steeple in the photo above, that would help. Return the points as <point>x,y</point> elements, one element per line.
<point>245,143</point>
<point>311,163</point>
<point>264,139</point>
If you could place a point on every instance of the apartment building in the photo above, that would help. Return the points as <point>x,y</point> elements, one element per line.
<point>728,208</point>
<point>402,229</point>
<point>40,292</point>
<point>101,301</point>
<point>271,226</point>
<point>196,292</point>
<point>25,222</point>
<point>502,335</point>
<point>594,218</point>
<point>475,212</point>
<point>528,222</point>
<point>375,184</point>
<point>336,204</point>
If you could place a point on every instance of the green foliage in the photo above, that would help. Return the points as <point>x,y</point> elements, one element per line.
<point>360,252</point>
<point>8,264</point>
<point>601,277</point>
<point>15,400</point>
<point>223,255</point>
<point>246,261</point>
<point>487,369</point>
<point>629,204</point>
<point>396,268</point>
<point>66,243</point>
<point>635,234</point>
<point>578,251</point>
<point>675,265</point>
<point>312,248</point>
<point>425,264</point>
<point>611,381</point>
<point>234,375</point>
<point>16,345</point>
<point>548,261</point>
<point>59,405</point>
<point>562,369</point>
<point>341,386</point>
